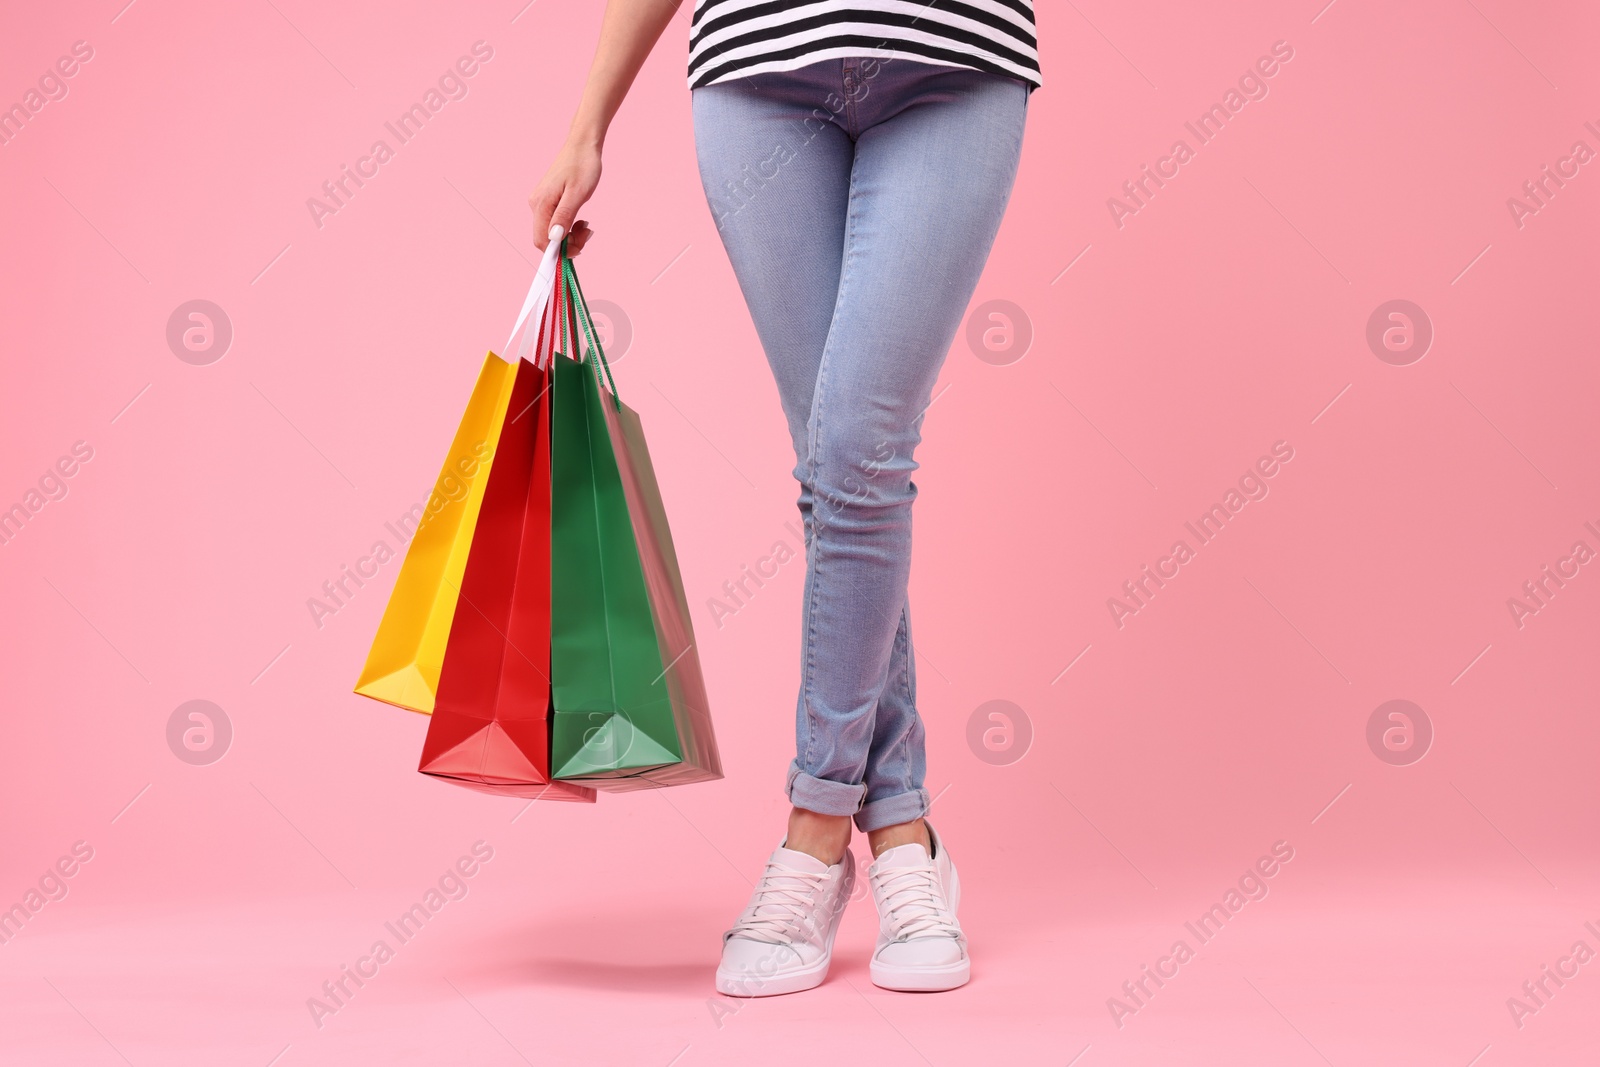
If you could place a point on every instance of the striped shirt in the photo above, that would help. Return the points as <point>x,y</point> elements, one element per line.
<point>734,38</point>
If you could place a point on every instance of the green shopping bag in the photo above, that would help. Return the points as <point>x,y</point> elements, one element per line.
<point>628,696</point>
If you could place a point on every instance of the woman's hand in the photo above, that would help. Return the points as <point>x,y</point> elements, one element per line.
<point>567,185</point>
<point>628,30</point>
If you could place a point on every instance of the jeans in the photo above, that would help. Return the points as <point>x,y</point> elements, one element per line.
<point>858,200</point>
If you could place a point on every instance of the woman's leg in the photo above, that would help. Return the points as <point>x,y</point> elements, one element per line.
<point>776,169</point>
<point>857,201</point>
<point>935,156</point>
<point>775,161</point>
<point>857,220</point>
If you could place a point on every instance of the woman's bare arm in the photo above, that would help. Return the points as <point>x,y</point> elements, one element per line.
<point>628,31</point>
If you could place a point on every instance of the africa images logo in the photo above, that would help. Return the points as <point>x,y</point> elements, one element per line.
<point>51,87</point>
<point>1137,593</point>
<point>452,85</point>
<point>1252,85</point>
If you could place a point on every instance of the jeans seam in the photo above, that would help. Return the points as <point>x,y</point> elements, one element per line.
<point>814,560</point>
<point>905,689</point>
<point>852,119</point>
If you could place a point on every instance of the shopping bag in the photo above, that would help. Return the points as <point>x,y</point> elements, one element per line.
<point>490,728</point>
<point>403,665</point>
<point>629,701</point>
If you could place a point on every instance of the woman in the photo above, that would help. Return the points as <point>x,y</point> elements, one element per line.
<point>857,156</point>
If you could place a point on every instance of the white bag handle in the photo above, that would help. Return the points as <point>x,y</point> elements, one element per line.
<point>533,306</point>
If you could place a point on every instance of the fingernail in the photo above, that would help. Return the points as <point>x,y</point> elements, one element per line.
<point>556,232</point>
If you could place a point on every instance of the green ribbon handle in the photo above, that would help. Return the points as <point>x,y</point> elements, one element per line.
<point>575,293</point>
<point>561,311</point>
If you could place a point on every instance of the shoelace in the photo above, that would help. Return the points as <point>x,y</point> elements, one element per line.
<point>778,912</point>
<point>913,903</point>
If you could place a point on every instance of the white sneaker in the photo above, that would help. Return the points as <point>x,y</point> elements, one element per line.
<point>783,942</point>
<point>920,943</point>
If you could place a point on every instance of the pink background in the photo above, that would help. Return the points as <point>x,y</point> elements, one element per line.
<point>1230,713</point>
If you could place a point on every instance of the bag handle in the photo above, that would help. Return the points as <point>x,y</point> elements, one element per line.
<point>576,298</point>
<point>540,336</point>
<point>544,280</point>
<point>565,318</point>
<point>558,296</point>
<point>545,347</point>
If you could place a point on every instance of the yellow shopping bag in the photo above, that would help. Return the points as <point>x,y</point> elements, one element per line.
<point>403,666</point>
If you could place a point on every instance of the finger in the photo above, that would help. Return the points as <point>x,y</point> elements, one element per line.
<point>581,232</point>
<point>566,211</point>
<point>543,202</point>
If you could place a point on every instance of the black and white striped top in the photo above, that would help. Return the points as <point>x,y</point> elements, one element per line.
<point>733,38</point>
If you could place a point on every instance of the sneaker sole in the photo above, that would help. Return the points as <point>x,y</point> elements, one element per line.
<point>741,985</point>
<point>921,979</point>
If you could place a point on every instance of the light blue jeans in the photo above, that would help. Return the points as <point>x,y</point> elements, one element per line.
<point>858,200</point>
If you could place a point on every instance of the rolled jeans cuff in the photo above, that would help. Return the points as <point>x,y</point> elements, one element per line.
<point>822,796</point>
<point>892,811</point>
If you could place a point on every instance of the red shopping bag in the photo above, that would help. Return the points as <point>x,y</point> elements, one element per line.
<point>490,728</point>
